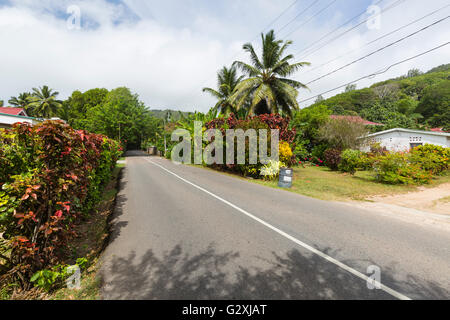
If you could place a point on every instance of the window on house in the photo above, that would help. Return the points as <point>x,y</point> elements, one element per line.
<point>413,145</point>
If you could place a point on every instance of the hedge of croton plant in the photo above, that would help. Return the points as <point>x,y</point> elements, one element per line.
<point>50,176</point>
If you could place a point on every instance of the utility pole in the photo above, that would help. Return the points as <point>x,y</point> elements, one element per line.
<point>165,142</point>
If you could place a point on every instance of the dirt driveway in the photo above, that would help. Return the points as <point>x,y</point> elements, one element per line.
<point>436,200</point>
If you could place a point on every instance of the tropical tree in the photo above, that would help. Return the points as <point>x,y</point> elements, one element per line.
<point>43,102</point>
<point>21,101</point>
<point>227,80</point>
<point>268,88</point>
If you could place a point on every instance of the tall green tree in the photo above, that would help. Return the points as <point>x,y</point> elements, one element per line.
<point>75,108</point>
<point>435,105</point>
<point>20,101</point>
<point>43,102</point>
<point>121,116</point>
<point>268,88</point>
<point>227,80</point>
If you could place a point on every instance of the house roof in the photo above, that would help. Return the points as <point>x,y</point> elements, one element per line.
<point>445,134</point>
<point>356,119</point>
<point>13,111</point>
<point>438,130</point>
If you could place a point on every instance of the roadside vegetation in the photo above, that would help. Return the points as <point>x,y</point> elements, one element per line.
<point>117,114</point>
<point>263,97</point>
<point>326,184</point>
<point>51,178</point>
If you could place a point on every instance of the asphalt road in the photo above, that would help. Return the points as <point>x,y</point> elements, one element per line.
<point>182,232</point>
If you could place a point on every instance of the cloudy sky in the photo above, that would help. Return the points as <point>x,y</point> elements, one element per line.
<point>166,51</point>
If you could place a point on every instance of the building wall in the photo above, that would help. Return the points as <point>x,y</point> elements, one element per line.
<point>7,121</point>
<point>403,141</point>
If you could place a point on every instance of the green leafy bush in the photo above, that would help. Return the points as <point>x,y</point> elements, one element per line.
<point>332,158</point>
<point>431,158</point>
<point>350,161</point>
<point>395,168</point>
<point>47,279</point>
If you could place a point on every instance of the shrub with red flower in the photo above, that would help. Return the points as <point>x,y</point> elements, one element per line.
<point>49,175</point>
<point>265,121</point>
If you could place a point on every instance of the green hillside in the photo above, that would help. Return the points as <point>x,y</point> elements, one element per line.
<point>415,100</point>
<point>174,115</point>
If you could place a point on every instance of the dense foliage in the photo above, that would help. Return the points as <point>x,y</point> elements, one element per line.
<point>50,175</point>
<point>418,166</point>
<point>117,114</point>
<point>416,100</point>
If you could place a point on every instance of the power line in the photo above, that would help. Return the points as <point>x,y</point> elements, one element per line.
<point>333,31</point>
<point>298,15</point>
<point>278,17</point>
<point>315,15</point>
<point>379,50</point>
<point>271,23</point>
<point>375,40</point>
<point>378,72</point>
<point>395,4</point>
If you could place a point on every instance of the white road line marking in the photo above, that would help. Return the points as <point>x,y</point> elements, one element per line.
<point>360,275</point>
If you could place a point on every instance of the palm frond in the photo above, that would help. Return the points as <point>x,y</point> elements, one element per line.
<point>253,56</point>
<point>246,68</point>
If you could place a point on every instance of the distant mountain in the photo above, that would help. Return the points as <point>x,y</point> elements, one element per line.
<point>414,100</point>
<point>174,114</point>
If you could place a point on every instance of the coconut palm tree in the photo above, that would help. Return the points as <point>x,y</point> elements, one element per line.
<point>43,102</point>
<point>21,101</point>
<point>227,80</point>
<point>268,88</point>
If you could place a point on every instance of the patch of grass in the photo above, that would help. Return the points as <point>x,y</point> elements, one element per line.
<point>445,199</point>
<point>90,287</point>
<point>322,183</point>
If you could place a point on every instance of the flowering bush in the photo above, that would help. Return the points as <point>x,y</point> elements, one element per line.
<point>285,152</point>
<point>271,170</point>
<point>50,174</point>
<point>431,157</point>
<point>265,121</point>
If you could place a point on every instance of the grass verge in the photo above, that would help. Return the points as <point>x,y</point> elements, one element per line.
<point>323,183</point>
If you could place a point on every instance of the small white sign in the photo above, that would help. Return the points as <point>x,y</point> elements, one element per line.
<point>287,179</point>
<point>288,171</point>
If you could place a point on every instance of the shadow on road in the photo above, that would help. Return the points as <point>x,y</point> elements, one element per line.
<point>176,276</point>
<point>115,223</point>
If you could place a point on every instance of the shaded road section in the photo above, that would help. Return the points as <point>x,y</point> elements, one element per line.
<point>173,240</point>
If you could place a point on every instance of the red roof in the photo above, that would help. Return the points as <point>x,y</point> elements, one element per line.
<point>13,111</point>
<point>437,130</point>
<point>356,119</point>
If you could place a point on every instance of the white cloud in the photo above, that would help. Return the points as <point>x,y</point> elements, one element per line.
<point>174,48</point>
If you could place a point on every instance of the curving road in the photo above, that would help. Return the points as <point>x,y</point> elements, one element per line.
<point>182,232</point>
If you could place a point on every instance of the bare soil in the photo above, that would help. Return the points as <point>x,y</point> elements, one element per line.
<point>436,199</point>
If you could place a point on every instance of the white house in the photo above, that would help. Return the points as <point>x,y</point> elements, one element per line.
<point>399,139</point>
<point>10,115</point>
